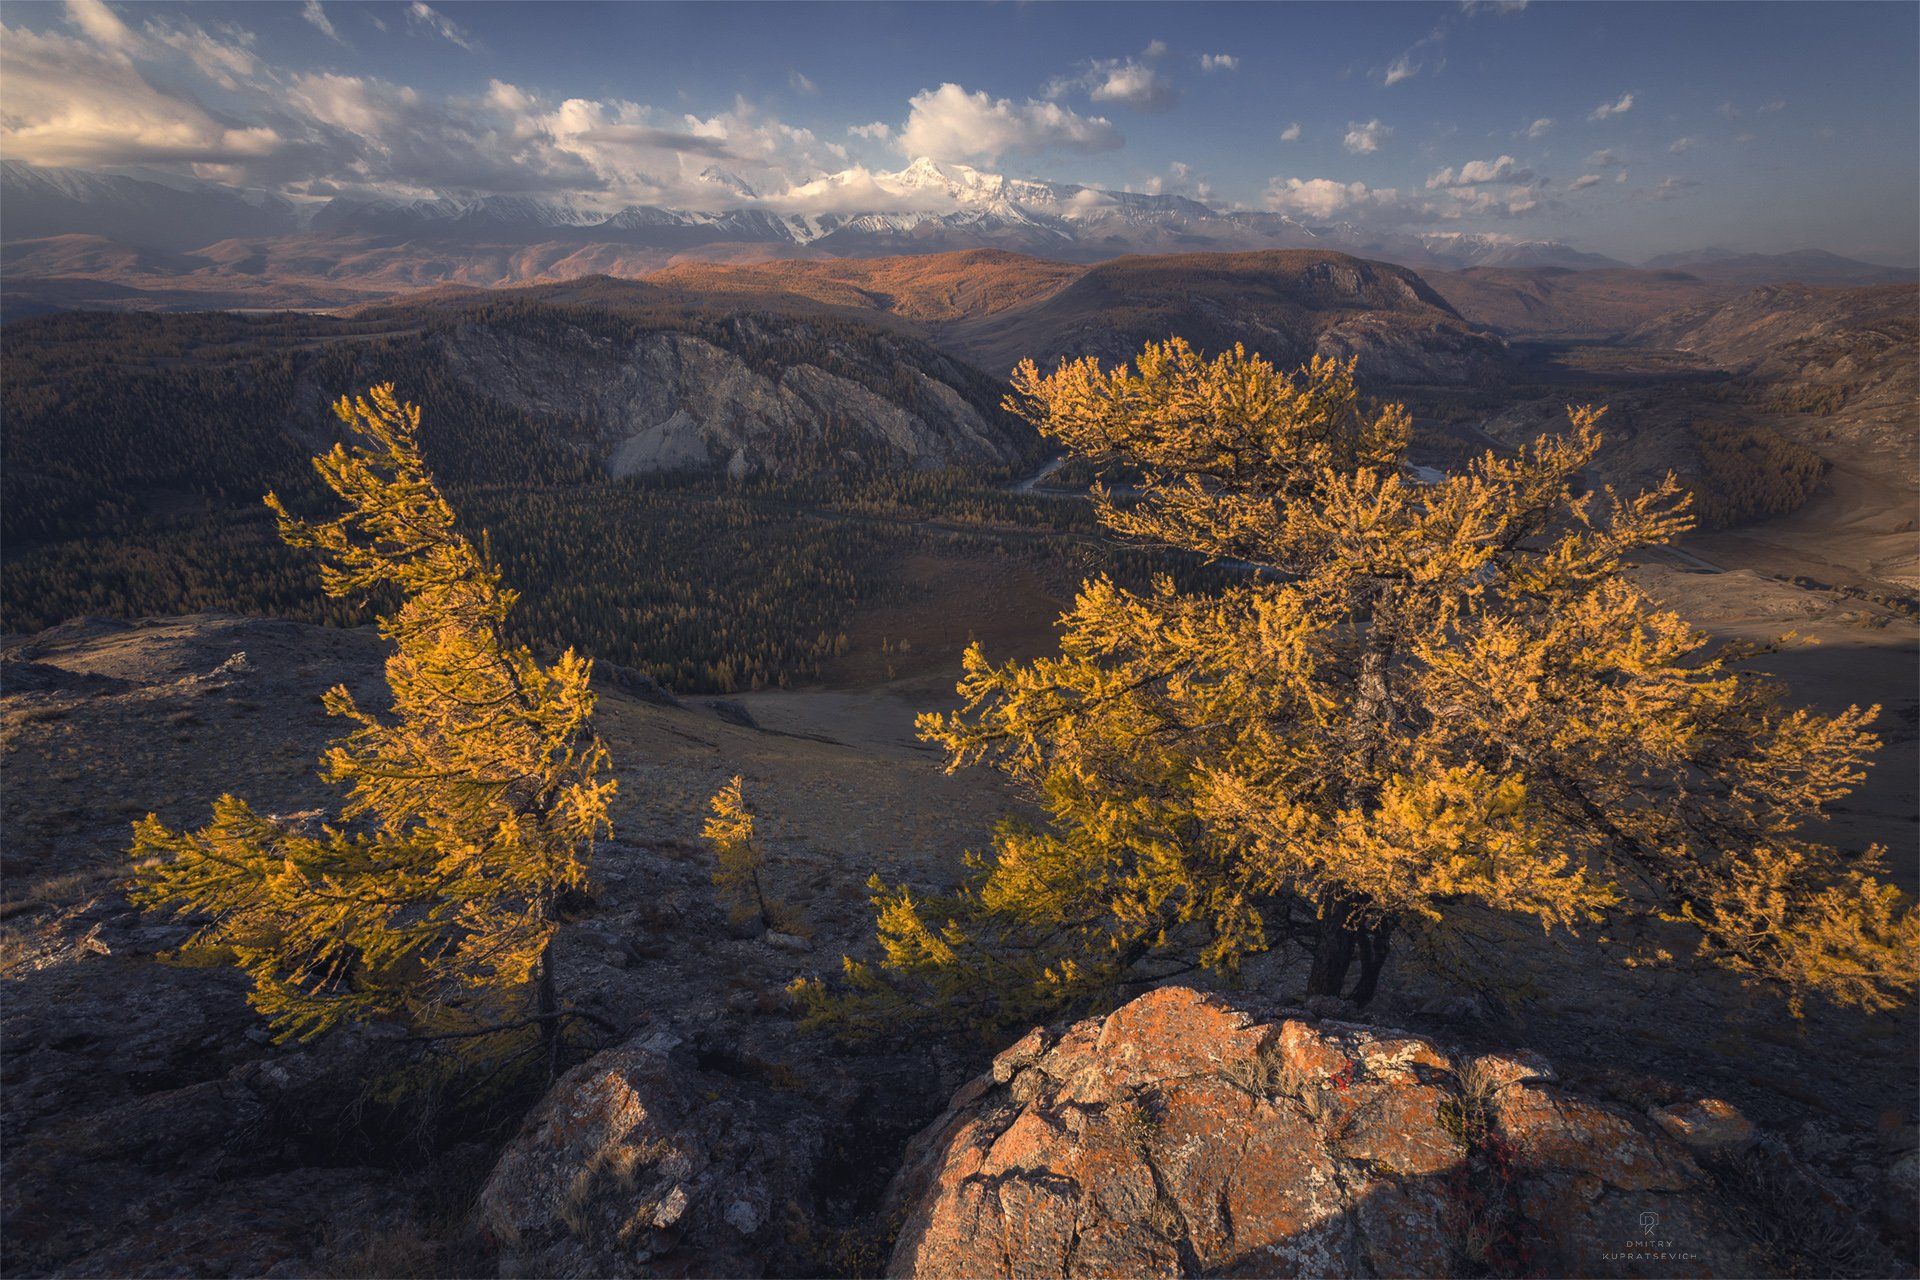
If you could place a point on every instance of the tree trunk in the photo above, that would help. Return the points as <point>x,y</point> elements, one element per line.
<point>549,1012</point>
<point>1338,945</point>
<point>1332,954</point>
<point>1374,944</point>
<point>1369,724</point>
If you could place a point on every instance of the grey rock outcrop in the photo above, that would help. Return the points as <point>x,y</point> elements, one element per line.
<point>674,401</point>
<point>639,1163</point>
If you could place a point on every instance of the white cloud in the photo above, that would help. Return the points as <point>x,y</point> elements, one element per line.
<point>1291,133</point>
<point>316,15</point>
<point>1219,62</point>
<point>1179,180</point>
<point>1135,84</point>
<point>1401,68</point>
<point>950,123</point>
<point>225,62</point>
<point>103,26</point>
<point>83,102</point>
<point>1324,197</point>
<point>878,131</point>
<point>801,84</point>
<point>1132,82</point>
<point>109,94</point>
<point>1681,146</point>
<point>1363,139</point>
<point>1584,181</point>
<point>1477,172</point>
<point>1605,158</point>
<point>424,19</point>
<point>1539,128</point>
<point>1428,52</point>
<point>1607,110</point>
<point>1321,199</point>
<point>1768,108</point>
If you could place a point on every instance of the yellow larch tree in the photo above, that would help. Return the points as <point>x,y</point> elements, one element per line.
<point>1422,704</point>
<point>737,858</point>
<point>471,806</point>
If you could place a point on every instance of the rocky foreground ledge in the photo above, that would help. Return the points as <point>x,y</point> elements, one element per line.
<point>1185,1135</point>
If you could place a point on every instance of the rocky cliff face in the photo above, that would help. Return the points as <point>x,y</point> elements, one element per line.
<point>674,401</point>
<point>1184,1135</point>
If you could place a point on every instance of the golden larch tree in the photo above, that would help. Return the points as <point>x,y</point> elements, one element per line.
<point>737,858</point>
<point>1423,703</point>
<point>471,807</point>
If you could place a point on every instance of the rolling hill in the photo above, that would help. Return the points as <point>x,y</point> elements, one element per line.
<point>1556,302</point>
<point>1287,304</point>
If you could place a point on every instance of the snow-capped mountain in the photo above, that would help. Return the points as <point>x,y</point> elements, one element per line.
<point>925,207</point>
<point>36,202</point>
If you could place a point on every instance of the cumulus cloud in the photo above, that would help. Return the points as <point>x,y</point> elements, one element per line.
<point>1768,108</point>
<point>1179,180</point>
<point>1605,158</point>
<point>314,14</point>
<point>1291,133</point>
<point>429,21</point>
<point>1539,128</point>
<point>1584,181</point>
<point>1386,207</point>
<point>1607,110</point>
<point>1325,197</point>
<point>878,131</point>
<point>1477,172</point>
<point>949,123</point>
<point>1131,82</point>
<point>799,83</point>
<point>1137,85</point>
<point>1365,138</point>
<point>1219,62</point>
<point>1680,146</point>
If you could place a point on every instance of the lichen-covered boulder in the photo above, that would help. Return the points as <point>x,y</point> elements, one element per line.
<point>638,1163</point>
<point>1184,1135</point>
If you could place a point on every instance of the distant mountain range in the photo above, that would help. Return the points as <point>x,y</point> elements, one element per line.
<point>1804,266</point>
<point>97,239</point>
<point>925,207</point>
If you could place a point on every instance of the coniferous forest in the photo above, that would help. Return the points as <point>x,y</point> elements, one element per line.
<point>138,448</point>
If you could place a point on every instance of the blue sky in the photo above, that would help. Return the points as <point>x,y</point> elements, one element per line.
<point>1765,127</point>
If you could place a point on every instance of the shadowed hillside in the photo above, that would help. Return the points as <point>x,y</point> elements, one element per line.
<point>1287,304</point>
